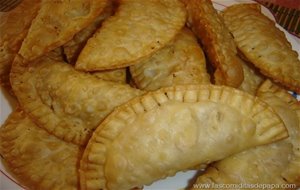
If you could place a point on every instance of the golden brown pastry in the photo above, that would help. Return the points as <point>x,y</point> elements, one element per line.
<point>216,40</point>
<point>73,48</point>
<point>173,129</point>
<point>56,23</point>
<point>14,26</point>
<point>37,159</point>
<point>180,62</point>
<point>276,163</point>
<point>263,44</point>
<point>137,30</point>
<point>67,103</point>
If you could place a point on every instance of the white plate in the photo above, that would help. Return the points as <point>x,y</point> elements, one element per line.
<point>177,182</point>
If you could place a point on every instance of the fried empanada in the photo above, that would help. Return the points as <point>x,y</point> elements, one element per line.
<point>276,163</point>
<point>56,23</point>
<point>173,129</point>
<point>73,48</point>
<point>37,159</point>
<point>181,62</point>
<point>252,78</point>
<point>66,102</point>
<point>14,26</point>
<point>137,30</point>
<point>216,40</point>
<point>263,44</point>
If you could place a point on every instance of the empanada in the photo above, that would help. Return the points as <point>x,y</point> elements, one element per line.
<point>216,40</point>
<point>263,44</point>
<point>73,47</point>
<point>14,26</point>
<point>37,159</point>
<point>180,62</point>
<point>56,23</point>
<point>276,163</point>
<point>173,129</point>
<point>137,30</point>
<point>66,102</point>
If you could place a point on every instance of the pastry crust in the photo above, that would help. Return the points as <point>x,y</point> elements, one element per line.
<point>263,44</point>
<point>180,62</point>
<point>56,23</point>
<point>173,129</point>
<point>276,163</point>
<point>252,78</point>
<point>73,48</point>
<point>67,103</point>
<point>217,42</point>
<point>37,159</point>
<point>137,30</point>
<point>114,75</point>
<point>14,27</point>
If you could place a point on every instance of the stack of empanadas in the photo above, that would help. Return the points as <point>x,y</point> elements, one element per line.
<point>118,94</point>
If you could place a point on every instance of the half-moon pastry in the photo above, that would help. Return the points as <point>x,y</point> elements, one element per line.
<point>216,40</point>
<point>36,158</point>
<point>263,44</point>
<point>180,62</point>
<point>173,129</point>
<point>276,163</point>
<point>56,23</point>
<point>69,104</point>
<point>135,31</point>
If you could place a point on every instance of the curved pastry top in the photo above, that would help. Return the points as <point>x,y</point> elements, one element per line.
<point>137,30</point>
<point>67,103</point>
<point>263,44</point>
<point>56,23</point>
<point>173,129</point>
<point>35,157</point>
